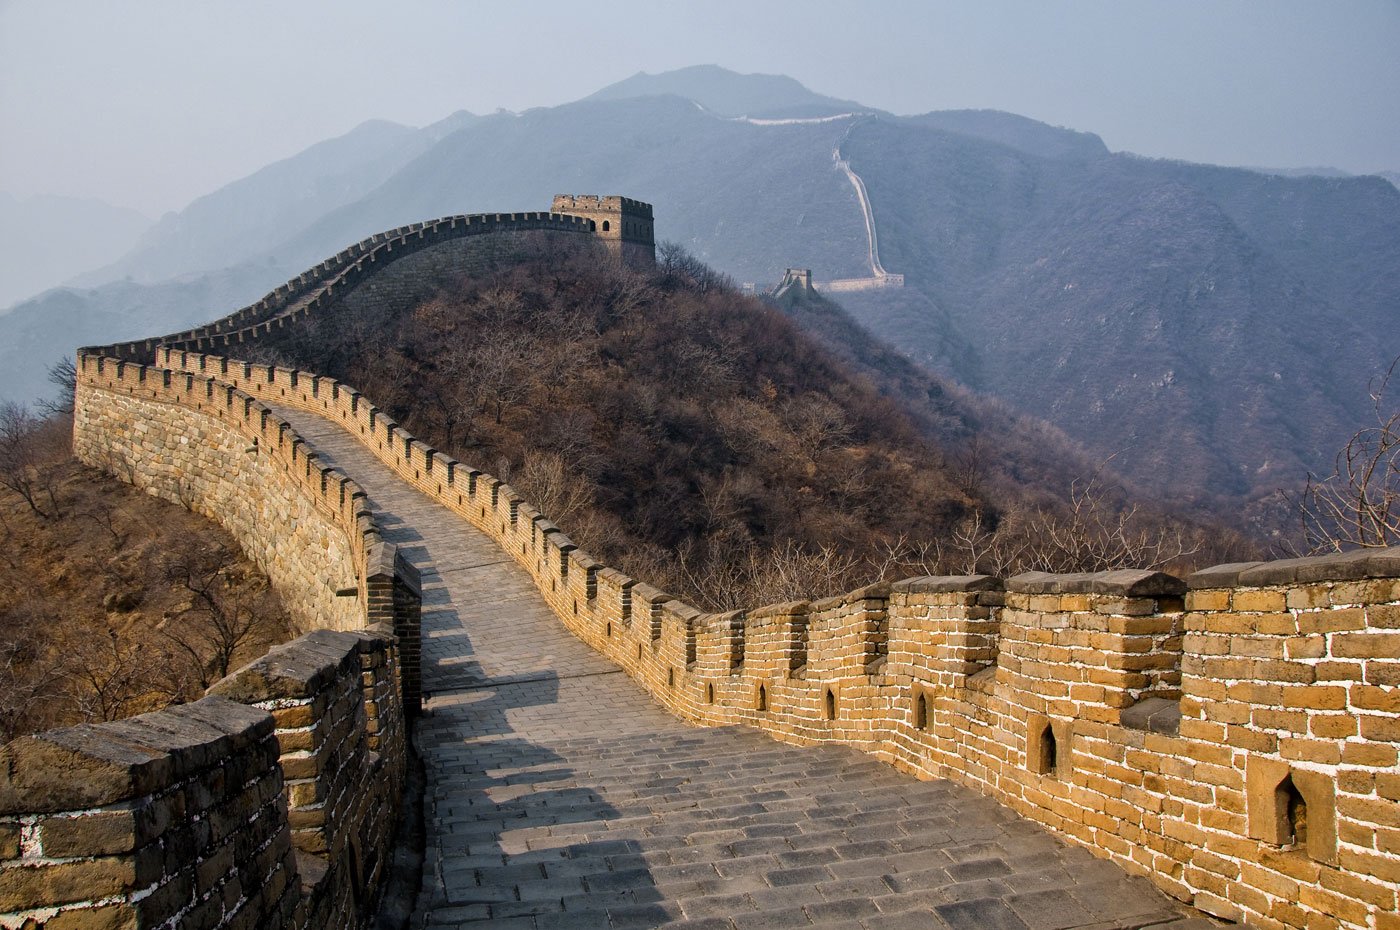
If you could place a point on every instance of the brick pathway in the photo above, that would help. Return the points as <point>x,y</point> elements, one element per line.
<point>560,796</point>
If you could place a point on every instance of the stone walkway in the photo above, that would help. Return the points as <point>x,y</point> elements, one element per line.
<point>560,796</point>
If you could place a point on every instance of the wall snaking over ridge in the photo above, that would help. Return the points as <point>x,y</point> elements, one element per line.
<point>1234,736</point>
<point>465,244</point>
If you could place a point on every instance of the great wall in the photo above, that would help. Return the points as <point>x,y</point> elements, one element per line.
<point>1232,736</point>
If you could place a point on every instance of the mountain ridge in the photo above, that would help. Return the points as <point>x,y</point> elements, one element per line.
<point>1220,323</point>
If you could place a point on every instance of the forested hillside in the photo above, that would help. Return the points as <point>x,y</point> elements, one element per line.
<point>698,439</point>
<point>1213,330</point>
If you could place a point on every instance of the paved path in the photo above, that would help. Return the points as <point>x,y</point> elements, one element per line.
<point>560,796</point>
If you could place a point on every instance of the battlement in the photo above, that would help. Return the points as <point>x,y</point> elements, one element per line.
<point>624,223</point>
<point>1232,736</point>
<point>407,261</point>
<point>578,204</point>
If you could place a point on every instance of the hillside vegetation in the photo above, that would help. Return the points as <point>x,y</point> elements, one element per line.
<point>701,441</point>
<point>112,602</point>
<point>1211,329</point>
<point>1216,328</point>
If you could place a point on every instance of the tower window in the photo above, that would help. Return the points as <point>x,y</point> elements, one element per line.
<point>606,225</point>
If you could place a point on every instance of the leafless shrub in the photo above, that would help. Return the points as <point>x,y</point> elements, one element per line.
<point>29,684</point>
<point>1358,505</point>
<point>113,676</point>
<point>105,516</point>
<point>219,620</point>
<point>27,457</point>
<point>547,483</point>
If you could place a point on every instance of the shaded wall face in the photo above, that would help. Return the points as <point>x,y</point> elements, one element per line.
<point>270,803</point>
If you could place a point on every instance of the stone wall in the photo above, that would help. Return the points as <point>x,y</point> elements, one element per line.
<point>460,244</point>
<point>1234,736</point>
<point>181,818</point>
<point>218,451</point>
<point>210,450</point>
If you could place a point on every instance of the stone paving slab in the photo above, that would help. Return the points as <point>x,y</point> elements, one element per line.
<point>559,795</point>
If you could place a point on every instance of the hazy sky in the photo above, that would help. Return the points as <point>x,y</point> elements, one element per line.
<point>149,103</point>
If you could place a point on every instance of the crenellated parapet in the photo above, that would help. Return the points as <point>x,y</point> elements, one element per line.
<point>216,449</point>
<point>1233,736</point>
<point>374,268</point>
<point>270,803</point>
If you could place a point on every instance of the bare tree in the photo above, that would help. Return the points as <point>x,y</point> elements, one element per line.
<point>63,375</point>
<point>218,622</point>
<point>105,516</point>
<point>1358,505</point>
<point>28,683</point>
<point>23,465</point>
<point>547,483</point>
<point>114,676</point>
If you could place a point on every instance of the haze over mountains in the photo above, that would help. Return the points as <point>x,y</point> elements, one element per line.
<point>1214,327</point>
<point>92,233</point>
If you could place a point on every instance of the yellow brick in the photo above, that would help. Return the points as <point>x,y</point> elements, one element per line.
<point>1259,601</point>
<point>1315,697</point>
<point>1332,726</point>
<point>1331,621</point>
<point>1311,596</point>
<point>1217,599</point>
<point>1379,756</point>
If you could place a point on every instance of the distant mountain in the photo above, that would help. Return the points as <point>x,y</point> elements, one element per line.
<point>724,93</point>
<point>1313,171</point>
<point>1393,177</point>
<point>749,199</point>
<point>1214,328</point>
<point>1018,132</point>
<point>46,329</point>
<point>92,233</point>
<point>232,224</point>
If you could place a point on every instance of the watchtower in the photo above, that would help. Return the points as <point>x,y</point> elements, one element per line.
<point>625,224</point>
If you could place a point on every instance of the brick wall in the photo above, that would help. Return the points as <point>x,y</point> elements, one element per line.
<point>369,270</point>
<point>271,803</point>
<point>1182,728</point>
<point>1234,736</point>
<point>188,440</point>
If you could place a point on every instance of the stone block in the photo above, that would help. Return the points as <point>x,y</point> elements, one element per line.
<point>946,584</point>
<point>104,917</point>
<point>76,768</point>
<point>1158,715</point>
<point>1219,576</point>
<point>299,669</point>
<point>53,883</point>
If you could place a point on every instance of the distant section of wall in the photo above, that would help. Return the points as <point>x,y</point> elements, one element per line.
<point>269,804</point>
<point>1233,737</point>
<point>466,244</point>
<point>863,284</point>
